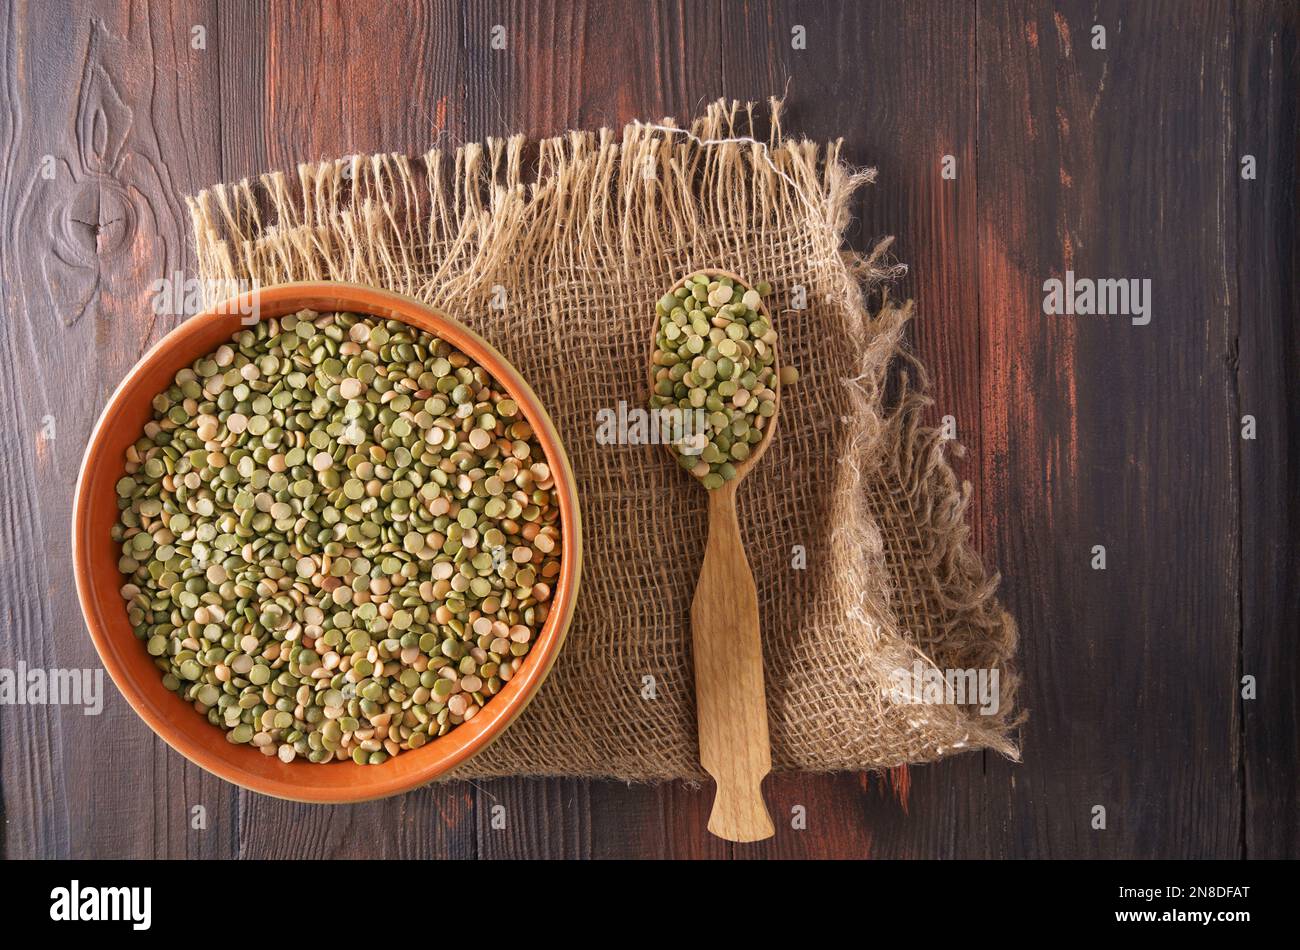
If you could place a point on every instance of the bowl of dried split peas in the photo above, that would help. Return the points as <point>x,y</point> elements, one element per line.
<point>327,541</point>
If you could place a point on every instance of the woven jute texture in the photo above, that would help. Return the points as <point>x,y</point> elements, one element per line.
<point>556,252</point>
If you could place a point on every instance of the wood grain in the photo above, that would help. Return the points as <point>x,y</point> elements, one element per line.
<point>1122,162</point>
<point>312,81</point>
<point>1267,363</point>
<point>729,697</point>
<point>897,83</point>
<point>563,66</point>
<point>1097,431</point>
<point>131,132</point>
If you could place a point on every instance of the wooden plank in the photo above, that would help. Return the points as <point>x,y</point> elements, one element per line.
<point>241,102</point>
<point>311,82</point>
<point>586,64</point>
<point>898,85</point>
<point>563,67</point>
<point>80,252</point>
<point>1112,163</point>
<point>330,86</point>
<point>1268,364</point>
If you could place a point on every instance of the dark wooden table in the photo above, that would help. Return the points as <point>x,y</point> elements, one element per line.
<point>1080,431</point>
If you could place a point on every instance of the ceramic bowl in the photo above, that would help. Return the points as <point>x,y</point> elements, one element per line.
<point>132,669</point>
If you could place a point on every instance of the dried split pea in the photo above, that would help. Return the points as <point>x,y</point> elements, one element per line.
<point>309,526</point>
<point>714,367</point>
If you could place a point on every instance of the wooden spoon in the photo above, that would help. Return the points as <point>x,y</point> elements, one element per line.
<point>732,708</point>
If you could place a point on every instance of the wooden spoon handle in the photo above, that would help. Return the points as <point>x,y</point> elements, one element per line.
<point>732,710</point>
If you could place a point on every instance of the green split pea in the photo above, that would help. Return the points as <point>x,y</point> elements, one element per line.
<point>339,537</point>
<point>715,365</point>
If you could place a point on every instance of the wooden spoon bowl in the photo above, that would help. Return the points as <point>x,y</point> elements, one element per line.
<point>745,467</point>
<point>730,699</point>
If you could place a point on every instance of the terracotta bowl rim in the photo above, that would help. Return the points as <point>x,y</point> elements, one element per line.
<point>98,586</point>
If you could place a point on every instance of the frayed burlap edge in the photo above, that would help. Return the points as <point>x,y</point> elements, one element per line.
<point>439,233</point>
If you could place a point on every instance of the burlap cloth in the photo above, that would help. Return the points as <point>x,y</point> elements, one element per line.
<point>584,232</point>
